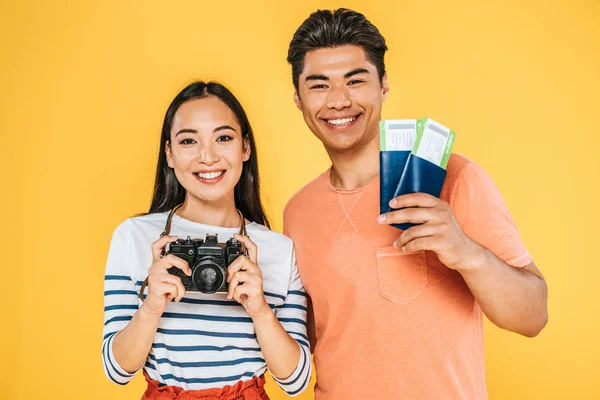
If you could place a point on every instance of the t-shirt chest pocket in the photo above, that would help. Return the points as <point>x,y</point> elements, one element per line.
<point>402,277</point>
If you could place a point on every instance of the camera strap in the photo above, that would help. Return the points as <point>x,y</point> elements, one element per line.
<point>167,230</point>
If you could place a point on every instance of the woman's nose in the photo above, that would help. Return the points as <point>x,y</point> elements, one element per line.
<point>208,155</point>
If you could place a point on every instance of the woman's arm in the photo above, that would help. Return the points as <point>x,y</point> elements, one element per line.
<point>281,335</point>
<point>281,352</point>
<point>125,350</point>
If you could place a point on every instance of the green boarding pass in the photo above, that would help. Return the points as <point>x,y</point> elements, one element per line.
<point>434,142</point>
<point>397,134</point>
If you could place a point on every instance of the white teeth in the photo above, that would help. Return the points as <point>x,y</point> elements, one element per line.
<point>342,121</point>
<point>210,175</point>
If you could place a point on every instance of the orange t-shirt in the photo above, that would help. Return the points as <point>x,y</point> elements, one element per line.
<point>390,325</point>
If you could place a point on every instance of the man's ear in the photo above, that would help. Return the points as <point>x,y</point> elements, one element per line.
<point>297,100</point>
<point>247,150</point>
<point>385,87</point>
<point>169,156</point>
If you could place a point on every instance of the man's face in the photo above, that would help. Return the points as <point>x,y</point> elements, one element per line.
<point>340,96</point>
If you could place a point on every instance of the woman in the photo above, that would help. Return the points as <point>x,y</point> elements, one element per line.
<point>190,342</point>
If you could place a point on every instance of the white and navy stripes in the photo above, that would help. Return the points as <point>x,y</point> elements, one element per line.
<point>204,341</point>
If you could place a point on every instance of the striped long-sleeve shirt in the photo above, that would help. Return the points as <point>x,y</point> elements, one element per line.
<point>204,341</point>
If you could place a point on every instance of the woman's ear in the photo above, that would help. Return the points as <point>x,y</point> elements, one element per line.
<point>169,156</point>
<point>247,150</point>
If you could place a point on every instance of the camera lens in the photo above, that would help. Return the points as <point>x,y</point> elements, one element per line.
<point>209,274</point>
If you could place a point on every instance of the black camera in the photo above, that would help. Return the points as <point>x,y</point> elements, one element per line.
<point>208,260</point>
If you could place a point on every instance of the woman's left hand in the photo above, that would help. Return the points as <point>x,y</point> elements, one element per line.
<point>246,282</point>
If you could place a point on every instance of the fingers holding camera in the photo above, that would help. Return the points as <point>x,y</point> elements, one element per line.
<point>171,260</point>
<point>243,271</point>
<point>239,278</point>
<point>159,245</point>
<point>161,292</point>
<point>246,286</point>
<point>242,264</point>
<point>247,289</point>
<point>246,295</point>
<point>165,291</point>
<point>162,286</point>
<point>250,247</point>
<point>157,282</point>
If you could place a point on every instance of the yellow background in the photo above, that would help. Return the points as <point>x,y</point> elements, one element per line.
<point>84,87</point>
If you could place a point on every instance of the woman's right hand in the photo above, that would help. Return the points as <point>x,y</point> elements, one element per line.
<point>162,286</point>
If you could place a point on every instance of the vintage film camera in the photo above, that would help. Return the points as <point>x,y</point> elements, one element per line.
<point>208,260</point>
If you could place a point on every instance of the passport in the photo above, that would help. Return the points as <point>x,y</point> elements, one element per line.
<point>421,169</point>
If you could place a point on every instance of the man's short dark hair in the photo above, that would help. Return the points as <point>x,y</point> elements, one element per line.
<point>328,29</point>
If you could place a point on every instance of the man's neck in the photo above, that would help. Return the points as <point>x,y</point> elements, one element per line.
<point>355,168</point>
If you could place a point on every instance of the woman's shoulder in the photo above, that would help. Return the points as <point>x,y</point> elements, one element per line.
<point>147,223</point>
<point>274,238</point>
<point>264,231</point>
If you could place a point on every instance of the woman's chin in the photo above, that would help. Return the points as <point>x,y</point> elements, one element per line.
<point>220,192</point>
<point>212,196</point>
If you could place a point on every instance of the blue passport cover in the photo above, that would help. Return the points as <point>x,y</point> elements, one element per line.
<point>419,176</point>
<point>391,166</point>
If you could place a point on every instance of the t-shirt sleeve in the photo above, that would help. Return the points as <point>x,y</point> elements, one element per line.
<point>120,300</point>
<point>483,215</point>
<point>292,316</point>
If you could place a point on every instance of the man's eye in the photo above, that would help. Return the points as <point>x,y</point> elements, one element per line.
<point>319,86</point>
<point>224,138</point>
<point>355,82</point>
<point>187,141</point>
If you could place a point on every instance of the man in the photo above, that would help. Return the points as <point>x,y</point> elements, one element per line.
<point>396,314</point>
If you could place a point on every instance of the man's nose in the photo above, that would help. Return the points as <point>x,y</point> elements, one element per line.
<point>338,98</point>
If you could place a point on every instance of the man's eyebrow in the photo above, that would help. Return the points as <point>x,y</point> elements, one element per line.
<point>346,76</point>
<point>356,72</point>
<point>317,78</point>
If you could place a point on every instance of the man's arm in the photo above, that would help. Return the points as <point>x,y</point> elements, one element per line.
<point>512,298</point>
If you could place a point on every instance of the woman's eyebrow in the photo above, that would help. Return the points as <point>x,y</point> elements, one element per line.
<point>186,131</point>
<point>223,127</point>
<point>217,129</point>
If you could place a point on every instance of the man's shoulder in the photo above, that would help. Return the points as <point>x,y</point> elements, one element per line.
<point>457,165</point>
<point>468,182</point>
<point>461,168</point>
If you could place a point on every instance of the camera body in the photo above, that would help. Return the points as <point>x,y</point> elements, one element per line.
<point>208,260</point>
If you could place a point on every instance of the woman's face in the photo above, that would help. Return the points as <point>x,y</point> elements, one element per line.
<point>206,149</point>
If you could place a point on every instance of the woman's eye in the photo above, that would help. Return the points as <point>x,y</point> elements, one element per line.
<point>187,141</point>
<point>224,138</point>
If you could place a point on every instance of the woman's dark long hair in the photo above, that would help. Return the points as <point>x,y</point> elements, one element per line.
<point>168,192</point>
